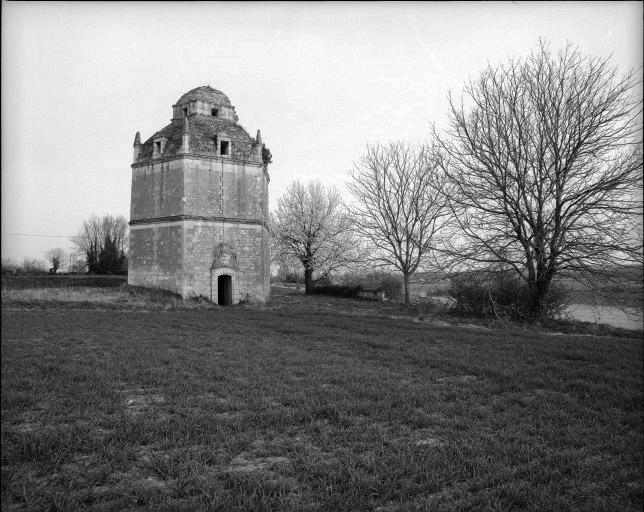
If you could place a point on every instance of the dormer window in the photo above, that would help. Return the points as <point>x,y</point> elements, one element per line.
<point>214,112</point>
<point>223,144</point>
<point>185,111</point>
<point>159,146</point>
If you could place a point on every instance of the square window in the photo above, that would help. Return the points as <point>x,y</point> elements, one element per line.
<point>224,147</point>
<point>214,112</point>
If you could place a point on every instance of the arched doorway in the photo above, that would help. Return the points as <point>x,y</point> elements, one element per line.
<point>224,290</point>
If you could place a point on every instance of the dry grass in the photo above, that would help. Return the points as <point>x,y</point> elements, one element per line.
<point>43,295</point>
<point>124,297</point>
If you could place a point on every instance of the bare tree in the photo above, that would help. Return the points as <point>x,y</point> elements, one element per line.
<point>95,232</point>
<point>312,226</point>
<point>32,266</point>
<point>544,162</point>
<point>400,207</point>
<point>56,258</point>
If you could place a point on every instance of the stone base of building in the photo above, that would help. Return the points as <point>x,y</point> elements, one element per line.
<point>225,262</point>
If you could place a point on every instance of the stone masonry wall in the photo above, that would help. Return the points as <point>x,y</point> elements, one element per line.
<point>156,256</point>
<point>225,188</point>
<point>157,190</point>
<point>249,267</point>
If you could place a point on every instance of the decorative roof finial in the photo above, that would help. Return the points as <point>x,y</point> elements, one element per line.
<point>137,139</point>
<point>258,139</point>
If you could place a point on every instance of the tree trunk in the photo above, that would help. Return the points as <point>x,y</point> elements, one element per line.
<point>308,280</point>
<point>406,288</point>
<point>538,294</point>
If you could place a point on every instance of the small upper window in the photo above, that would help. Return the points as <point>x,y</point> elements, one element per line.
<point>224,147</point>
<point>185,111</point>
<point>214,112</point>
<point>157,147</point>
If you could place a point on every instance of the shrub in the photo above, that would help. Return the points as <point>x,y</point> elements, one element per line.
<point>339,290</point>
<point>499,294</point>
<point>322,281</point>
<point>9,267</point>
<point>392,286</point>
<point>292,277</point>
<point>431,306</point>
<point>375,282</point>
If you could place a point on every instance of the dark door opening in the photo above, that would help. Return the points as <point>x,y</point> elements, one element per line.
<point>224,290</point>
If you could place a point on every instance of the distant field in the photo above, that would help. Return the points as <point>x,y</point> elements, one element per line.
<point>312,403</point>
<point>62,281</point>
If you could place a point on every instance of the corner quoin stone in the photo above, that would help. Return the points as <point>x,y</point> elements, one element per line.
<point>199,205</point>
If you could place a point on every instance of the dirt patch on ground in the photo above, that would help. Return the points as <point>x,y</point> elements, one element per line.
<point>474,326</point>
<point>426,437</point>
<point>433,417</point>
<point>229,415</point>
<point>300,444</point>
<point>121,481</point>
<point>212,398</point>
<point>429,441</point>
<point>452,493</point>
<point>24,428</point>
<point>458,379</point>
<point>423,438</point>
<point>248,463</point>
<point>273,403</point>
<point>138,404</point>
<point>138,401</point>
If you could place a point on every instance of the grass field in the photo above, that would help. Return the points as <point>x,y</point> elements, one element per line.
<point>311,403</point>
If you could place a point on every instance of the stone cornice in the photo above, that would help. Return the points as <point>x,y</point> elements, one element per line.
<point>178,156</point>
<point>200,157</point>
<point>175,218</point>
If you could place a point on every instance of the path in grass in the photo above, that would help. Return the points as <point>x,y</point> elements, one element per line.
<point>297,407</point>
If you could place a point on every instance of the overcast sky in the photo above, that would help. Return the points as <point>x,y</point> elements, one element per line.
<point>319,79</point>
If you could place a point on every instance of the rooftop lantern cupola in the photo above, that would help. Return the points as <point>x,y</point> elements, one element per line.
<point>205,101</point>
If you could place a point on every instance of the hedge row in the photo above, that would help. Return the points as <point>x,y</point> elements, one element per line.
<point>62,281</point>
<point>339,290</point>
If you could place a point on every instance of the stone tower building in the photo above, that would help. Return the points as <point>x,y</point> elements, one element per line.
<point>199,207</point>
